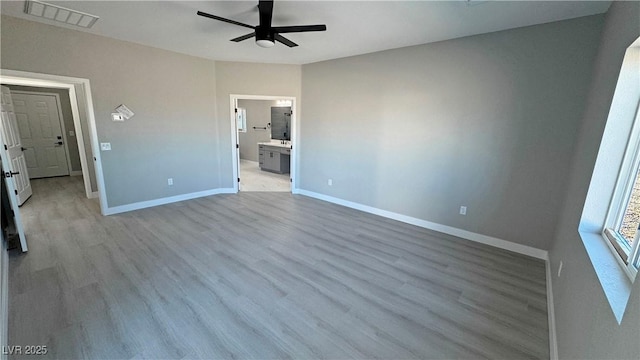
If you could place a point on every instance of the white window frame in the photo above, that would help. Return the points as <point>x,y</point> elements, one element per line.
<point>628,258</point>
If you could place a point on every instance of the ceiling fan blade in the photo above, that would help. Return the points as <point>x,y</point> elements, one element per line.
<point>244,37</point>
<point>299,28</point>
<point>266,13</point>
<point>225,20</point>
<point>284,40</point>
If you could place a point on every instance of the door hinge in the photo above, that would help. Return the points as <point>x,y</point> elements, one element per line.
<point>236,110</point>
<point>238,179</point>
<point>237,146</point>
<point>5,147</point>
<point>290,180</point>
<point>16,191</point>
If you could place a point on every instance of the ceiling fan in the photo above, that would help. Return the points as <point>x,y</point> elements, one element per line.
<point>265,34</point>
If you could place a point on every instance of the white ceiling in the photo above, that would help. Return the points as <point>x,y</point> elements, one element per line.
<point>353,27</point>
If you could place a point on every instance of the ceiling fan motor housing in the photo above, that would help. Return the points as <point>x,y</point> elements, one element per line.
<point>264,33</point>
<point>265,37</point>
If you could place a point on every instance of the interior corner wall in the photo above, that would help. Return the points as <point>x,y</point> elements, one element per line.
<point>173,133</point>
<point>258,115</point>
<point>488,122</point>
<point>585,324</point>
<point>248,79</point>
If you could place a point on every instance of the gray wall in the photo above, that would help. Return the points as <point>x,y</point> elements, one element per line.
<point>247,79</point>
<point>258,114</point>
<point>174,131</point>
<point>67,117</point>
<point>586,326</point>
<point>487,121</point>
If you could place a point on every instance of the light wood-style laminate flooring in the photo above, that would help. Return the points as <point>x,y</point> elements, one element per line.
<point>263,276</point>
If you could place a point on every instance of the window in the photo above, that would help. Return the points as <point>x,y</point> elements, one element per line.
<point>623,220</point>
<point>608,226</point>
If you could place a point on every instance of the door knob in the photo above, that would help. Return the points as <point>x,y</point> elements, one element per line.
<point>23,149</point>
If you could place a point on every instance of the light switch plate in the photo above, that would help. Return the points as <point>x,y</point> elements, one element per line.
<point>105,146</point>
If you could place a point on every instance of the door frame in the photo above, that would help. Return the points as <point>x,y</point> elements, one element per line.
<point>62,126</point>
<point>24,78</point>
<point>295,143</point>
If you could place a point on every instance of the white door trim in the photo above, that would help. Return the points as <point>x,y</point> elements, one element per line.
<point>60,116</point>
<point>24,78</point>
<point>295,142</point>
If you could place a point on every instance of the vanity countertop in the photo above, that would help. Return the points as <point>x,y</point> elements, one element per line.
<point>276,144</point>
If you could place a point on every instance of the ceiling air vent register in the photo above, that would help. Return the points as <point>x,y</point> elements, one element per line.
<point>60,14</point>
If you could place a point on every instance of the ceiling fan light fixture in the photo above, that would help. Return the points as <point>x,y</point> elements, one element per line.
<point>265,43</point>
<point>265,34</point>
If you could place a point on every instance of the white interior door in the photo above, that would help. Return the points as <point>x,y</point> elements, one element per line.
<point>9,181</point>
<point>9,173</point>
<point>12,148</point>
<point>241,123</point>
<point>41,133</point>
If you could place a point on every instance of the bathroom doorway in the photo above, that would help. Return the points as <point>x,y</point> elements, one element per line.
<point>263,129</point>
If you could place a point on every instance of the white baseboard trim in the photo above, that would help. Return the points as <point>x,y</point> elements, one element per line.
<point>75,173</point>
<point>167,200</point>
<point>484,239</point>
<point>551,313</point>
<point>93,195</point>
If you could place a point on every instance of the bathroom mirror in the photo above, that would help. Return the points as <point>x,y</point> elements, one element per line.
<point>281,123</point>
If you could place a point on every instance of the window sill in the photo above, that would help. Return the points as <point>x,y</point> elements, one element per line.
<point>613,278</point>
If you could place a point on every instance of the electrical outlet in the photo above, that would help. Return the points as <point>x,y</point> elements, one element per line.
<point>560,268</point>
<point>463,210</point>
<point>170,181</point>
<point>105,146</point>
<point>72,133</point>
<point>330,182</point>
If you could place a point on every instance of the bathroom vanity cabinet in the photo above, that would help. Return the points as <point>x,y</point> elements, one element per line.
<point>274,158</point>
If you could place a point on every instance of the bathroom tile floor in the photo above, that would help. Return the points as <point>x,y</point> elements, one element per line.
<point>254,179</point>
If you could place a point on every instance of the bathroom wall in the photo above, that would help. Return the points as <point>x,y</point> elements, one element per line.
<point>258,115</point>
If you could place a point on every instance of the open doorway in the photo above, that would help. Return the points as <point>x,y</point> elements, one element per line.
<point>47,131</point>
<point>264,132</point>
<point>79,134</point>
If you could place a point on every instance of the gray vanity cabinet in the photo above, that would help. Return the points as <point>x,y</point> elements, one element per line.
<point>274,158</point>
